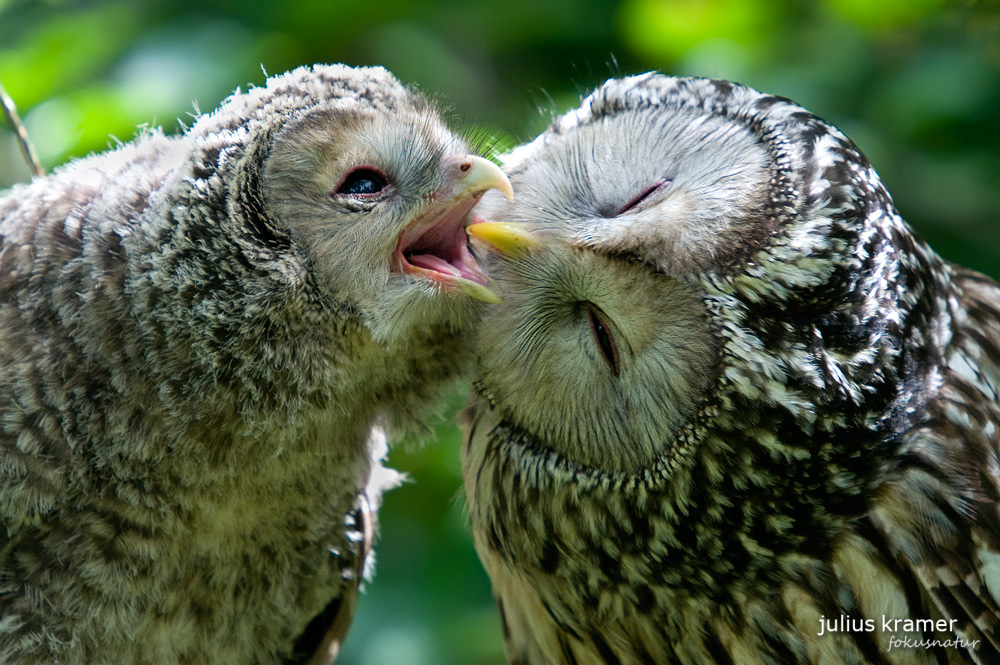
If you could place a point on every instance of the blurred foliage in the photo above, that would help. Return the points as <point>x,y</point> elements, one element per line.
<point>916,83</point>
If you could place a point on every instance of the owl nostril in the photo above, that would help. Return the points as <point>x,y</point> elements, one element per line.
<point>465,167</point>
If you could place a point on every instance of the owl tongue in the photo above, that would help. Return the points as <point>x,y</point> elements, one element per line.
<point>436,263</point>
<point>440,244</point>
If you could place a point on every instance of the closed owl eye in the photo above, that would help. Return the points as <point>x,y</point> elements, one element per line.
<point>364,182</point>
<point>604,339</point>
<point>642,196</point>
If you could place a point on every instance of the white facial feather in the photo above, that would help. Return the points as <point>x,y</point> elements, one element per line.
<point>539,357</point>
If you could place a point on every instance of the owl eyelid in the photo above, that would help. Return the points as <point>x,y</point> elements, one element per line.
<point>642,196</point>
<point>603,338</point>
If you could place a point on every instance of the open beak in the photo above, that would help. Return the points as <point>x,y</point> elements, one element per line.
<point>434,246</point>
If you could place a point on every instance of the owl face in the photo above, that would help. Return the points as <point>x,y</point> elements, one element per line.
<point>376,192</point>
<point>599,357</point>
<point>647,223</point>
<point>596,350</point>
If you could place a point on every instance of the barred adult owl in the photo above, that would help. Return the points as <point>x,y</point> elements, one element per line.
<point>731,410</point>
<point>199,338</point>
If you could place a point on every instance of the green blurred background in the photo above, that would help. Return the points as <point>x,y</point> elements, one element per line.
<point>916,83</point>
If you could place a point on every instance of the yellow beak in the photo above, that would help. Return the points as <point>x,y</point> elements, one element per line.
<point>508,237</point>
<point>481,175</point>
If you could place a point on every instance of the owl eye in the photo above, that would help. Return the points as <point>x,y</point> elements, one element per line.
<point>363,182</point>
<point>605,341</point>
<point>645,194</point>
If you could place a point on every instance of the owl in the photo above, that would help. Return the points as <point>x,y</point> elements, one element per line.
<point>731,410</point>
<point>201,339</point>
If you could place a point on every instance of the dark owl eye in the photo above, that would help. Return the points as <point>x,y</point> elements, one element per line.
<point>363,182</point>
<point>605,342</point>
<point>643,195</point>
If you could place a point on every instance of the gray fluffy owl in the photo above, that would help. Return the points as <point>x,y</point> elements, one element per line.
<point>731,410</point>
<point>199,336</point>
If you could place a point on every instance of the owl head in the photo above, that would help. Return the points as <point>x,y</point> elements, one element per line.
<point>343,182</point>
<point>687,259</point>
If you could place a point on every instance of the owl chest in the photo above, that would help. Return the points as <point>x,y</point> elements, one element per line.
<point>224,571</point>
<point>548,622</point>
<point>582,583</point>
<point>245,589</point>
<point>248,570</point>
<point>583,616</point>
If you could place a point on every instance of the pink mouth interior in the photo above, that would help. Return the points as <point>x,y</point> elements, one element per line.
<point>439,248</point>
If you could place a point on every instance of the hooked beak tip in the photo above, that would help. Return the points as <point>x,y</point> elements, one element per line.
<point>481,175</point>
